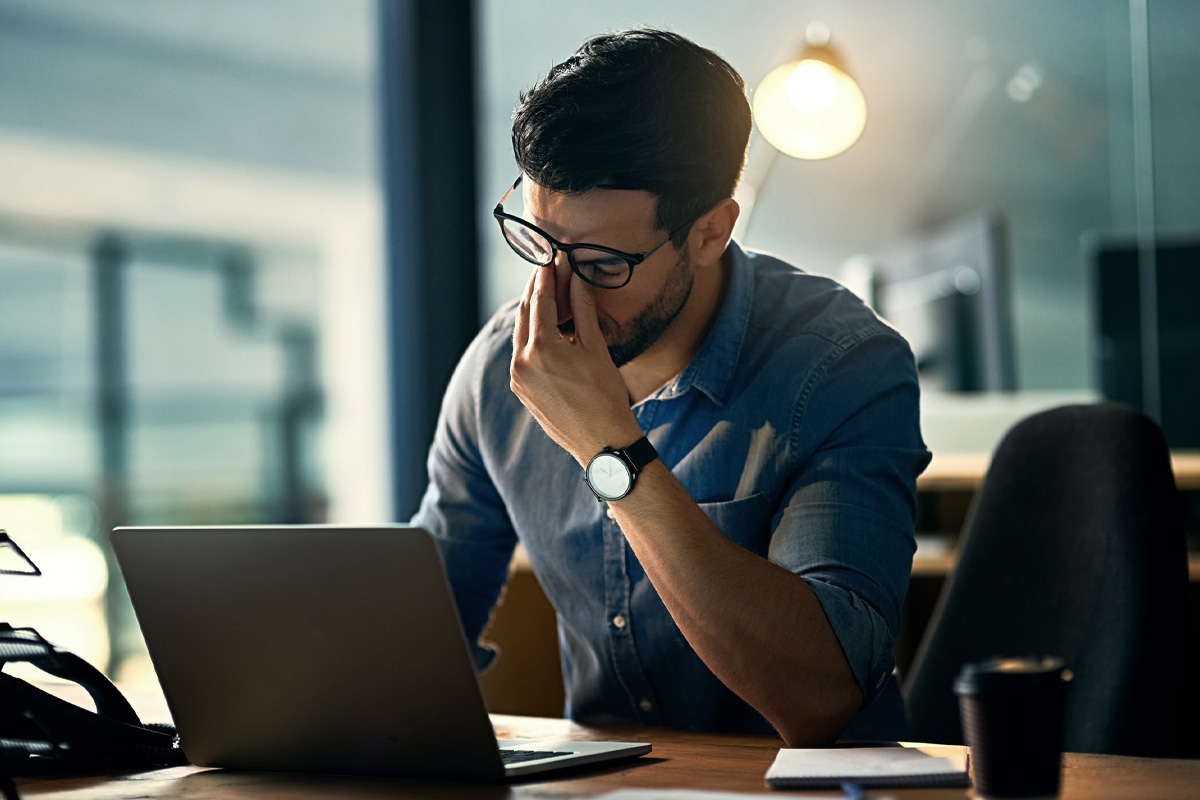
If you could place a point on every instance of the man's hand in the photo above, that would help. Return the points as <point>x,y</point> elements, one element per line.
<point>569,384</point>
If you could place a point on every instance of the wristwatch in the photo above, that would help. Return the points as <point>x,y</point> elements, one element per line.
<point>611,473</point>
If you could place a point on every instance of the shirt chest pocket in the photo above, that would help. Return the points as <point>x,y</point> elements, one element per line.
<point>746,522</point>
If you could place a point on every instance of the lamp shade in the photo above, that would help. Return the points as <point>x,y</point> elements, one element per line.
<point>810,108</point>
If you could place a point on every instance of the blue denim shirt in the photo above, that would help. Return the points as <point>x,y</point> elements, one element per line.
<point>795,428</point>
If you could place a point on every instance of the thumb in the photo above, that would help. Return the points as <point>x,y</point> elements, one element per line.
<point>583,309</point>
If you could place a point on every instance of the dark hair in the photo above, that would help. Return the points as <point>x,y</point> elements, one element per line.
<point>642,109</point>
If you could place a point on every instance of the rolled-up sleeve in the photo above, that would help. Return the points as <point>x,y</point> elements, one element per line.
<point>846,523</point>
<point>461,506</point>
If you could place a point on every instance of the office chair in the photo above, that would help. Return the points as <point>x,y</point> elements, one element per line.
<point>1074,547</point>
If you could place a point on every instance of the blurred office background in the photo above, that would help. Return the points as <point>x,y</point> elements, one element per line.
<point>224,224</point>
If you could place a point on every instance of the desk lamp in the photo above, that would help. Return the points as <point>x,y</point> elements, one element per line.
<point>37,724</point>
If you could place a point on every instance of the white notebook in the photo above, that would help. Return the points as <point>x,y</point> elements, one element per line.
<point>898,766</point>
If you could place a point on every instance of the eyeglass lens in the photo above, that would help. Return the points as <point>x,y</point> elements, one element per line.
<point>529,244</point>
<point>597,267</point>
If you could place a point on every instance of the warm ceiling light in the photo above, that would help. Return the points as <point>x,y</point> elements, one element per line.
<point>810,108</point>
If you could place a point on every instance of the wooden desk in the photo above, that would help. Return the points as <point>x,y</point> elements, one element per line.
<point>679,760</point>
<point>961,474</point>
<point>941,566</point>
<point>965,471</point>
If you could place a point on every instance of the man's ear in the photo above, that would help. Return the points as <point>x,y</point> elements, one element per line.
<point>711,234</point>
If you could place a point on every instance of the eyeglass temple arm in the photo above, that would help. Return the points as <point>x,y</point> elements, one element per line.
<point>511,189</point>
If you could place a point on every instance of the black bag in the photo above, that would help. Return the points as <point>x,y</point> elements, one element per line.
<point>39,731</point>
<point>36,724</point>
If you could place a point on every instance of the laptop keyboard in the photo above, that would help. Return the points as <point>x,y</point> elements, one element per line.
<point>517,756</point>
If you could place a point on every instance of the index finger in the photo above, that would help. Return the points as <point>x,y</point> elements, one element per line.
<point>521,329</point>
<point>543,310</point>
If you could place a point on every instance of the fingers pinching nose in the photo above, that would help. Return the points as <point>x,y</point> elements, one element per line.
<point>583,306</point>
<point>543,308</point>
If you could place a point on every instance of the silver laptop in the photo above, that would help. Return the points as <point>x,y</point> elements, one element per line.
<point>321,649</point>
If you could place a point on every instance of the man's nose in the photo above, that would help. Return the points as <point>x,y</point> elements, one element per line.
<point>562,287</point>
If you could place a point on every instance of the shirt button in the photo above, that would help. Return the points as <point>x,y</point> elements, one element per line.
<point>618,621</point>
<point>608,512</point>
<point>645,705</point>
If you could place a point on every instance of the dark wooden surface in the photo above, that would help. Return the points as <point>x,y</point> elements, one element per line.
<point>680,760</point>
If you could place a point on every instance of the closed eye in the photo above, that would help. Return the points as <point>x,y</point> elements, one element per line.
<point>609,266</point>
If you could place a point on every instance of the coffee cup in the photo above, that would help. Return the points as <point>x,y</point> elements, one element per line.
<point>1012,718</point>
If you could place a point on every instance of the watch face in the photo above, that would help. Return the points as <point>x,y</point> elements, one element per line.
<point>609,476</point>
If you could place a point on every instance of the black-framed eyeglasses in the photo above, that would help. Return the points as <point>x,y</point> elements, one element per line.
<point>600,266</point>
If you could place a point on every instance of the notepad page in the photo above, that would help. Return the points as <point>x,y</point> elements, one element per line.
<point>909,765</point>
<point>697,794</point>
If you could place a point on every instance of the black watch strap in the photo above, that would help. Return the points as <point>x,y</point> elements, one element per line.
<point>639,454</point>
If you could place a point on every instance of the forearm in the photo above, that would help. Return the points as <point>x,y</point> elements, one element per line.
<point>757,626</point>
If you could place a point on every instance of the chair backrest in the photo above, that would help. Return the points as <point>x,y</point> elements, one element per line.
<point>1074,547</point>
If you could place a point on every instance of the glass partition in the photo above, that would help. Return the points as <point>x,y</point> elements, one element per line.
<point>1018,111</point>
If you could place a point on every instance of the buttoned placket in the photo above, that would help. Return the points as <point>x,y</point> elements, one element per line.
<point>620,622</point>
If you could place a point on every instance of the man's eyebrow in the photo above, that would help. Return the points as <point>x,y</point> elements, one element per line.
<point>592,237</point>
<point>557,233</point>
<point>567,237</point>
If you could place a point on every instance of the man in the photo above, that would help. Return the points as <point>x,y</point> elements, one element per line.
<point>745,567</point>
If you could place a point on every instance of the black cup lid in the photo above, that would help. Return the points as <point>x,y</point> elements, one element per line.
<point>984,676</point>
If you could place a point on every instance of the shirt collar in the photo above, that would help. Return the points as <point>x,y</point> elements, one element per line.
<point>712,369</point>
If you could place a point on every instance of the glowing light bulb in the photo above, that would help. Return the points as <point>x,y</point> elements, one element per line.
<point>810,109</point>
<point>812,86</point>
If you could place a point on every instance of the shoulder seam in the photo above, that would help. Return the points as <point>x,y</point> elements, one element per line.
<point>837,350</point>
